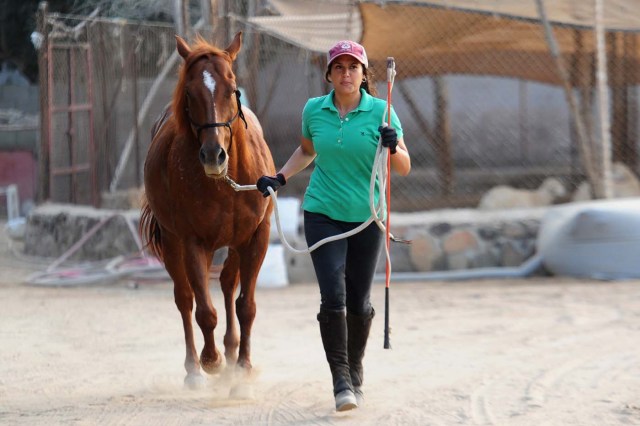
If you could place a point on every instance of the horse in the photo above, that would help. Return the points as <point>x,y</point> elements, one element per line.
<point>203,140</point>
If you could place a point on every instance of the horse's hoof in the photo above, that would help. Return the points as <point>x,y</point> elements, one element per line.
<point>242,391</point>
<point>194,381</point>
<point>231,359</point>
<point>212,366</point>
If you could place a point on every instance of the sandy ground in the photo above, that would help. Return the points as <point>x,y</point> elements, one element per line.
<point>522,352</point>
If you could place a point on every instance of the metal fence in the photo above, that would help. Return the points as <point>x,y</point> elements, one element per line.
<point>125,60</point>
<point>466,133</point>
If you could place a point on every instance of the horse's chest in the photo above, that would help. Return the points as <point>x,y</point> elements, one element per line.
<point>227,220</point>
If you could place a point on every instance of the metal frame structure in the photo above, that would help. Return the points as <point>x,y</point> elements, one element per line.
<point>74,168</point>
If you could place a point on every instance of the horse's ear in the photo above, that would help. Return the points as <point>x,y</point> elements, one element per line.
<point>183,48</point>
<point>235,46</point>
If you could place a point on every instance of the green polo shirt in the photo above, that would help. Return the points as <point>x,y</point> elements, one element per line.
<point>345,153</point>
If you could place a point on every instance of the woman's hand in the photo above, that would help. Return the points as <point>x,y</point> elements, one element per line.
<point>389,138</point>
<point>273,182</point>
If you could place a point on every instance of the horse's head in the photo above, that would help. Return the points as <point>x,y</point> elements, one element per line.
<point>207,100</point>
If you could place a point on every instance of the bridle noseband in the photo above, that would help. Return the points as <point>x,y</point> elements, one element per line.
<point>200,127</point>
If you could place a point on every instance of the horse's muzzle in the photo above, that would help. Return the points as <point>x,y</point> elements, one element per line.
<point>214,161</point>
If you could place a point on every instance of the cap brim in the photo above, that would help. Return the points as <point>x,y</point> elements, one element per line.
<point>347,54</point>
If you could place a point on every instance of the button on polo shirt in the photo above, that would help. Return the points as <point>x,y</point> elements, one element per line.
<point>345,153</point>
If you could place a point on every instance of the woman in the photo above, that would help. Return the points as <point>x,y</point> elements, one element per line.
<point>340,131</point>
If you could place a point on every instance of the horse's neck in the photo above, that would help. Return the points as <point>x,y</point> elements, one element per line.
<point>241,151</point>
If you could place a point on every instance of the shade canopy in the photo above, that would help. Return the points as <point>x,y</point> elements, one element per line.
<point>478,37</point>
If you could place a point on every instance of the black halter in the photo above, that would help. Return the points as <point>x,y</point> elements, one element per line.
<point>200,127</point>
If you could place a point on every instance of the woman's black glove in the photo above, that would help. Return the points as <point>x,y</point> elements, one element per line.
<point>389,138</point>
<point>273,182</point>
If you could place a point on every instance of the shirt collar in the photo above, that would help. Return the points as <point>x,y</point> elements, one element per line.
<point>366,102</point>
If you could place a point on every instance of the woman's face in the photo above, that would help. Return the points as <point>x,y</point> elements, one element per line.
<point>346,74</point>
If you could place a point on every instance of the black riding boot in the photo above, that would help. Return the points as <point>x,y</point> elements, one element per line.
<point>333,329</point>
<point>358,327</point>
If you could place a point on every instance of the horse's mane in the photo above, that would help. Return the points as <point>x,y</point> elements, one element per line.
<point>199,49</point>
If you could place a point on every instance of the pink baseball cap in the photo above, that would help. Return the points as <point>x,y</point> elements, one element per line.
<point>348,47</point>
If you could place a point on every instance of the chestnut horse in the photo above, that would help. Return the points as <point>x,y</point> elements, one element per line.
<point>203,139</point>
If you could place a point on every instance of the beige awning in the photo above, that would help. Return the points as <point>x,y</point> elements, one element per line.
<point>478,37</point>
<point>509,42</point>
<point>312,25</point>
<point>619,14</point>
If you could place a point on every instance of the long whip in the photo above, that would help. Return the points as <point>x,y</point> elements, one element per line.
<point>391,72</point>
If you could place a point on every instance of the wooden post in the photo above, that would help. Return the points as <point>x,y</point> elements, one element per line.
<point>631,59</point>
<point>42,192</point>
<point>211,20</point>
<point>618,98</point>
<point>136,126</point>
<point>583,79</point>
<point>181,19</point>
<point>105,139</point>
<point>586,152</point>
<point>603,188</point>
<point>206,10</point>
<point>523,120</point>
<point>440,136</point>
<point>252,58</point>
<point>574,77</point>
<point>629,149</point>
<point>443,135</point>
<point>223,27</point>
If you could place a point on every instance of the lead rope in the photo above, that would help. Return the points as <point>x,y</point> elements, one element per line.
<point>378,171</point>
<point>381,156</point>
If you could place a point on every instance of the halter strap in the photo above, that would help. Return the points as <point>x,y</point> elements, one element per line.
<point>200,127</point>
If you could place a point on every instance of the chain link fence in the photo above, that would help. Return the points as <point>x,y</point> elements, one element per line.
<point>467,130</point>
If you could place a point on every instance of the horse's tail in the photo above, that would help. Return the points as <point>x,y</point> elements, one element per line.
<point>150,231</point>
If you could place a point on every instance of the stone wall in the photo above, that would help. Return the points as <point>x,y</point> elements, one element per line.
<point>440,240</point>
<point>52,229</point>
<point>459,239</point>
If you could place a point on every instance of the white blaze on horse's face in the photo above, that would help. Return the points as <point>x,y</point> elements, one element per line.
<point>213,156</point>
<point>210,84</point>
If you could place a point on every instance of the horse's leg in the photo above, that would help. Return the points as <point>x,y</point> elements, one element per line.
<point>183,296</point>
<point>251,256</point>
<point>229,282</point>
<point>198,260</point>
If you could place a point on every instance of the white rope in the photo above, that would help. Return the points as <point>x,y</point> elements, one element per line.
<point>274,197</point>
<point>379,171</point>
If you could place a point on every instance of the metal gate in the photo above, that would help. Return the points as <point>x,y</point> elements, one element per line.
<point>70,139</point>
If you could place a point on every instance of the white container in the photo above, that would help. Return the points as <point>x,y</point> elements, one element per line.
<point>289,214</point>
<point>273,273</point>
<point>597,239</point>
